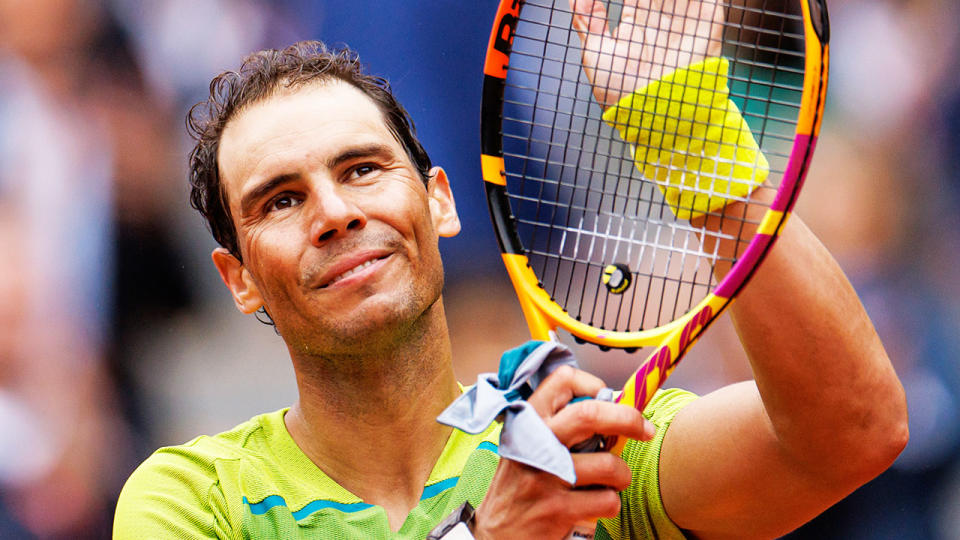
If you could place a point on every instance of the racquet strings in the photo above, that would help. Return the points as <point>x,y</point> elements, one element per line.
<point>580,202</point>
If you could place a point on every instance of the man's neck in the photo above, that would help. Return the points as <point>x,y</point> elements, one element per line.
<point>370,422</point>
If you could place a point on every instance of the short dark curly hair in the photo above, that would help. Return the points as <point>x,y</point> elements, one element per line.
<point>261,75</point>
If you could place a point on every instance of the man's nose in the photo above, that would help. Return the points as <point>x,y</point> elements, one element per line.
<point>335,213</point>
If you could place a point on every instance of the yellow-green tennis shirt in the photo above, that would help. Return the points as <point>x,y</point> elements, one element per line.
<point>254,482</point>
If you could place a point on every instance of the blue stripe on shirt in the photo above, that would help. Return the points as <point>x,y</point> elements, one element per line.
<point>273,501</point>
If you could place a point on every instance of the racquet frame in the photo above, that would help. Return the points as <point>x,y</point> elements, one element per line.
<point>673,339</point>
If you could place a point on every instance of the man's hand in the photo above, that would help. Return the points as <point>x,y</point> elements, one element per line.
<point>524,502</point>
<point>653,38</point>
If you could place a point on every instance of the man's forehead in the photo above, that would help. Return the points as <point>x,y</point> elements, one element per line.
<point>300,106</point>
<point>317,116</point>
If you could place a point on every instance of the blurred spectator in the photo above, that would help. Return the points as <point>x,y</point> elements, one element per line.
<point>150,276</point>
<point>61,433</point>
<point>181,44</point>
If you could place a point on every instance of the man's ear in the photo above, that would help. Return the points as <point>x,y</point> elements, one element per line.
<point>442,208</point>
<point>245,293</point>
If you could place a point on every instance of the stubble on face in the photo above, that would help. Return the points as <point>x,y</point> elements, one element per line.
<point>370,318</point>
<point>368,331</point>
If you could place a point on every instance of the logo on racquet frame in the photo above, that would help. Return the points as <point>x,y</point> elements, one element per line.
<point>616,277</point>
<point>652,374</point>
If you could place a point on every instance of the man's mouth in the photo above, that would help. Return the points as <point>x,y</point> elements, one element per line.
<point>352,271</point>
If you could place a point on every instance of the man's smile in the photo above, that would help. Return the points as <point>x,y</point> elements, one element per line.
<point>357,266</point>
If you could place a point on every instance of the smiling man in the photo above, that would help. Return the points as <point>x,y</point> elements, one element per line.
<point>319,163</point>
<point>329,213</point>
<point>338,233</point>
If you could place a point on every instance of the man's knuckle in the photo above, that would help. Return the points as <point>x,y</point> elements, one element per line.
<point>588,412</point>
<point>609,464</point>
<point>610,503</point>
<point>565,374</point>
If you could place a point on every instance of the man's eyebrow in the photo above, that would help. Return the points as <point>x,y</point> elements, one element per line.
<point>357,152</point>
<point>259,191</point>
<point>348,154</point>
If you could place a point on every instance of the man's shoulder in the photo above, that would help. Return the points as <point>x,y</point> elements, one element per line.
<point>186,481</point>
<point>248,439</point>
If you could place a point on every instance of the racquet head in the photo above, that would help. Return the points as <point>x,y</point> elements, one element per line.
<point>640,159</point>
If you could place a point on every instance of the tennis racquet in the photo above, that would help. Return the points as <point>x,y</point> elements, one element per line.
<point>640,159</point>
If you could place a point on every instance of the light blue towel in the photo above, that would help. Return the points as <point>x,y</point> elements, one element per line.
<point>525,437</point>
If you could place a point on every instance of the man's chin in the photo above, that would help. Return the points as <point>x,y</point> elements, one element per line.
<point>365,323</point>
<point>370,329</point>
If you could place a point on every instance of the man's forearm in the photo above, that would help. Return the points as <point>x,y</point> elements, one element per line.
<point>827,385</point>
<point>827,412</point>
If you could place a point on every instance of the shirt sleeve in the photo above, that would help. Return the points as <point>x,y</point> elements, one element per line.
<point>641,512</point>
<point>173,494</point>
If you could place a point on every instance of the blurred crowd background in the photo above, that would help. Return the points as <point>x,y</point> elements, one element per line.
<point>117,337</point>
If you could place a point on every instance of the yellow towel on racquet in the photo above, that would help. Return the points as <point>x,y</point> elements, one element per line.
<point>691,139</point>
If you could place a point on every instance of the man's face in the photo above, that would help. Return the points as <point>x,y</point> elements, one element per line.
<point>337,231</point>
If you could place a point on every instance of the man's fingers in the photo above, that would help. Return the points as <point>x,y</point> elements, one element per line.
<point>589,19</point>
<point>590,504</point>
<point>715,46</point>
<point>590,22</point>
<point>635,11</point>
<point>564,384</point>
<point>602,469</point>
<point>580,421</point>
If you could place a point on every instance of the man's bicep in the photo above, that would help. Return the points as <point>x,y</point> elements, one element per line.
<point>722,471</point>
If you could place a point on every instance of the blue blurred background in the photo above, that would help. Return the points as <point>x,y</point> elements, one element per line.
<point>117,337</point>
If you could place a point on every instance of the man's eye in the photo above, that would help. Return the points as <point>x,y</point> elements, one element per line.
<point>363,170</point>
<point>282,201</point>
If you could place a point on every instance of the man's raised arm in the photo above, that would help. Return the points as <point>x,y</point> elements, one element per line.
<point>826,412</point>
